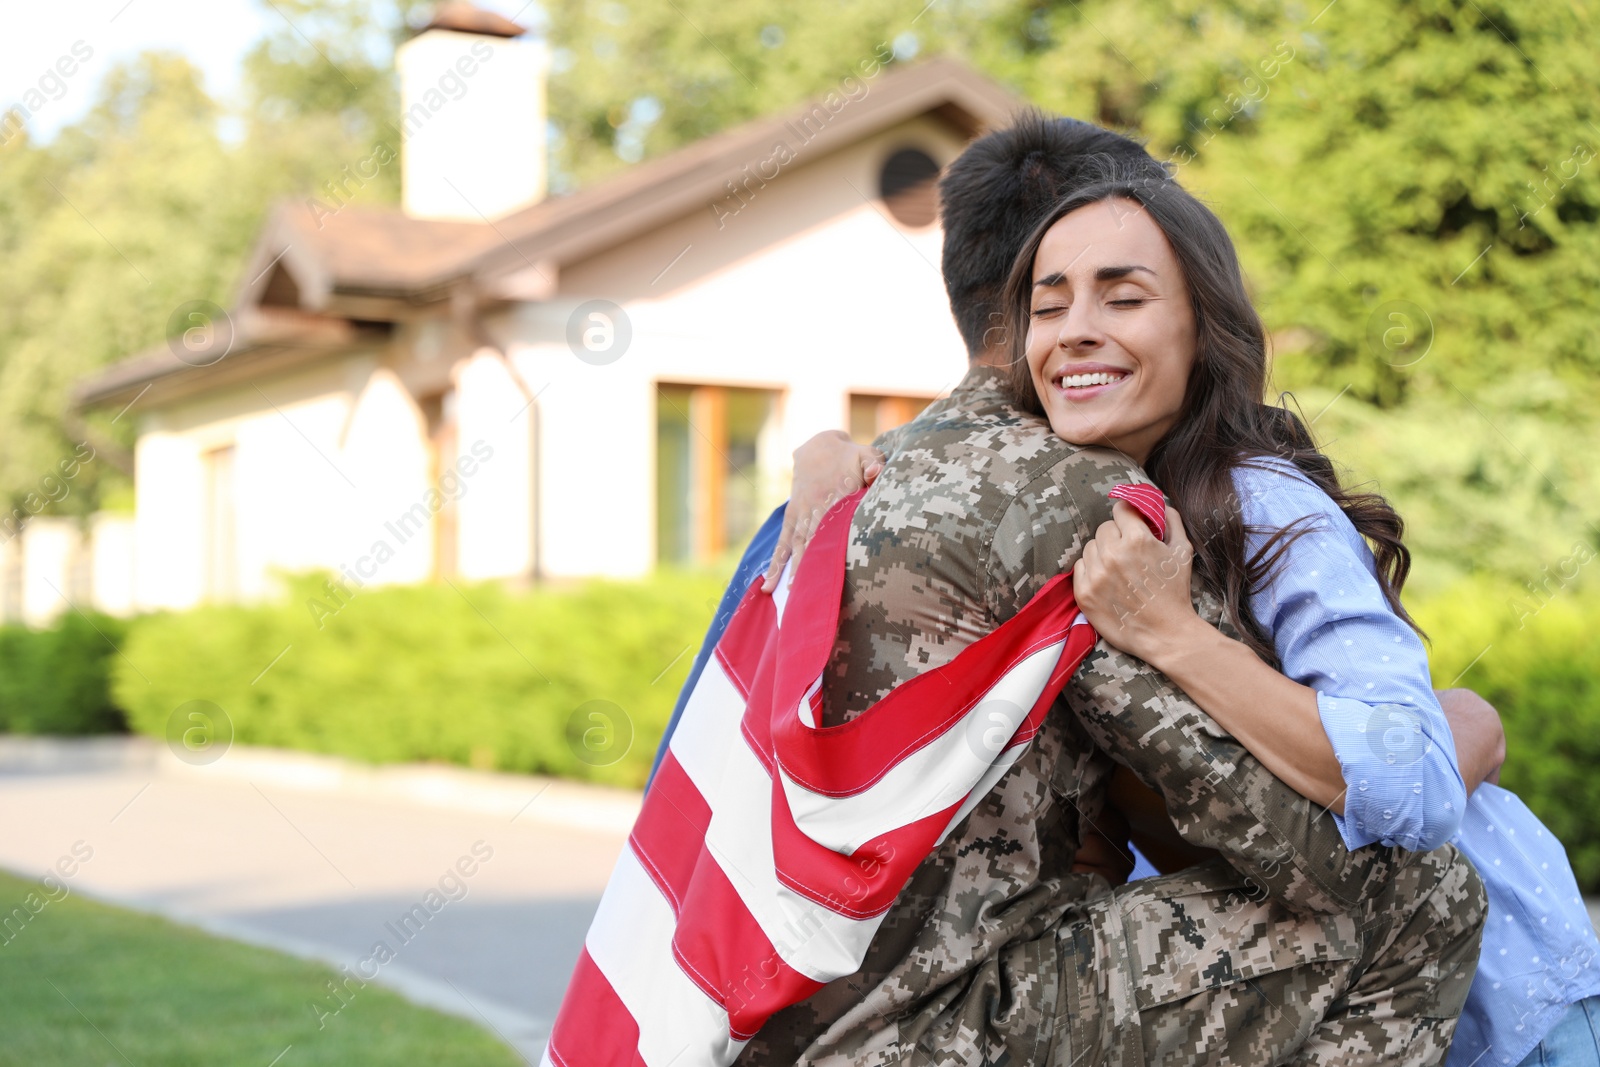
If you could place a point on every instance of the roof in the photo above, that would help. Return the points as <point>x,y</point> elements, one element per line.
<point>693,176</point>
<point>370,263</point>
<point>383,251</point>
<point>274,345</point>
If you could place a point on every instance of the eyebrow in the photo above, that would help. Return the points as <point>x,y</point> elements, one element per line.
<point>1103,274</point>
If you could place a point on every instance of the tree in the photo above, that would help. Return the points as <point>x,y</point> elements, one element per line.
<point>1411,185</point>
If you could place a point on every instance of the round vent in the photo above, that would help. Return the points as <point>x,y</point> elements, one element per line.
<point>906,184</point>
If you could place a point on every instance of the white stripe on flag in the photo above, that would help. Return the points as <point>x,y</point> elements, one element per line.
<point>780,594</point>
<point>814,940</point>
<point>630,942</point>
<point>709,727</point>
<point>807,716</point>
<point>940,773</point>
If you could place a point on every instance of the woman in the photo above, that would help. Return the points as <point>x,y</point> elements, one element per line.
<point>1131,329</point>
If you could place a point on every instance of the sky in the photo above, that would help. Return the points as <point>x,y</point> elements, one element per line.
<point>214,34</point>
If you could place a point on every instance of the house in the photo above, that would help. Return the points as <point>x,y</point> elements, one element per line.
<point>487,383</point>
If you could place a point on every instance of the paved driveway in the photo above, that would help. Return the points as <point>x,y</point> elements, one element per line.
<point>484,911</point>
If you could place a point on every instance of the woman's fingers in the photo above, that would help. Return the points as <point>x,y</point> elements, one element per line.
<point>780,554</point>
<point>828,468</point>
<point>807,529</point>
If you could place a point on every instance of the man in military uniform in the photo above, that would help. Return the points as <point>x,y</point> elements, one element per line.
<point>1285,948</point>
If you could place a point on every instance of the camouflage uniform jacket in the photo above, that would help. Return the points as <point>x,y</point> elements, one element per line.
<point>979,505</point>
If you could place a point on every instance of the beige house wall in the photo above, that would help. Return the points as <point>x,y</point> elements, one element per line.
<point>810,289</point>
<point>807,288</point>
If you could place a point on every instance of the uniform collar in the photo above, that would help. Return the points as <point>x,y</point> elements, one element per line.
<point>982,380</point>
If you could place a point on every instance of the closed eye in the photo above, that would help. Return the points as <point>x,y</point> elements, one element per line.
<point>1050,309</point>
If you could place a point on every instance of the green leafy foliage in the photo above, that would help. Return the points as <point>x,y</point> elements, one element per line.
<point>578,682</point>
<point>1508,494</point>
<point>1533,650</point>
<point>632,80</point>
<point>58,680</point>
<point>145,205</point>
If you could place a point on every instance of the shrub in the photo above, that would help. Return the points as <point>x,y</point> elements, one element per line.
<point>56,680</point>
<point>1536,657</point>
<point>483,677</point>
<point>469,674</point>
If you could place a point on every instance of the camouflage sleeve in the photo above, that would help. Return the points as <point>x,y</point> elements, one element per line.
<point>1218,795</point>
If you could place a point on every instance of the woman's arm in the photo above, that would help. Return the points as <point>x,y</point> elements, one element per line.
<point>1135,592</point>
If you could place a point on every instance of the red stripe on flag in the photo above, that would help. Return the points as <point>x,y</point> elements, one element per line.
<point>671,829</point>
<point>867,882</point>
<point>811,617</point>
<point>594,1025</point>
<point>724,951</point>
<point>846,759</point>
<point>863,884</point>
<point>746,637</point>
<point>1147,501</point>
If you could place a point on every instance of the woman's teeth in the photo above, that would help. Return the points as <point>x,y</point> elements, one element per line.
<point>1079,381</point>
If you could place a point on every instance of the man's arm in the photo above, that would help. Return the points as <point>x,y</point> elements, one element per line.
<point>1218,795</point>
<point>1480,738</point>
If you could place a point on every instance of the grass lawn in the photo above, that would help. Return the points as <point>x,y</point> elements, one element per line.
<point>83,983</point>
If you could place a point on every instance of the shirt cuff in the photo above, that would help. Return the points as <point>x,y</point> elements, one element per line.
<point>1387,760</point>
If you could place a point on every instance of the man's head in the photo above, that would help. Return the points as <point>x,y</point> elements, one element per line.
<point>994,194</point>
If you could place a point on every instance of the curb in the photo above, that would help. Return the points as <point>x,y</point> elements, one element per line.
<point>572,805</point>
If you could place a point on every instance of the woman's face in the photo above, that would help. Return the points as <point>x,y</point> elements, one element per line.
<point>1111,334</point>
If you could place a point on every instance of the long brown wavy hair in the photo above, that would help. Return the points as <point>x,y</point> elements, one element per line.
<point>1224,422</point>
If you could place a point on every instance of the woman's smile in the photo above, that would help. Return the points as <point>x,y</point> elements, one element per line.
<point>1080,382</point>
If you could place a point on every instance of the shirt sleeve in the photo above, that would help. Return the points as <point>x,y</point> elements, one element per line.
<point>1333,630</point>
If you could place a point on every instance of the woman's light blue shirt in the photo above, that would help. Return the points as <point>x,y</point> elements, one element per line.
<point>1334,632</point>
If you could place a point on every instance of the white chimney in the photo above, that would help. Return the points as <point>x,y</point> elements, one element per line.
<point>472,116</point>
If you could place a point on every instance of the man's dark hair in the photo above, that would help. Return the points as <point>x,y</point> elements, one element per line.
<point>994,194</point>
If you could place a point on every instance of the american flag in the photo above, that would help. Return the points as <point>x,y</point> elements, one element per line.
<point>769,846</point>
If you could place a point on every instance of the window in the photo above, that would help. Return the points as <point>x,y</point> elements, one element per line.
<point>906,184</point>
<point>220,541</point>
<point>715,468</point>
<point>872,414</point>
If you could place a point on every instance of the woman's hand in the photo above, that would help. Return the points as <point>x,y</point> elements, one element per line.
<point>1134,588</point>
<point>827,468</point>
